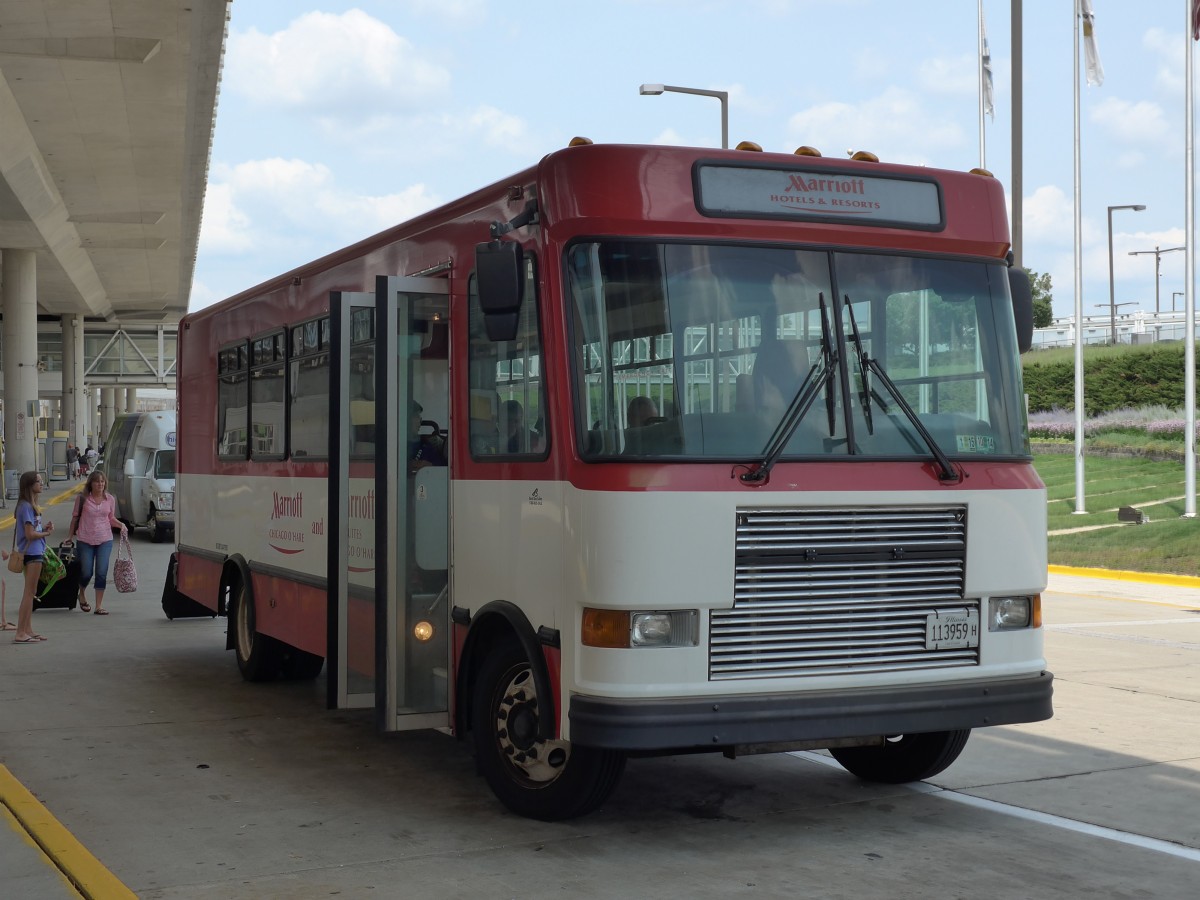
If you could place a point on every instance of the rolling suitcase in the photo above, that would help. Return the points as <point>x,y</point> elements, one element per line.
<point>64,593</point>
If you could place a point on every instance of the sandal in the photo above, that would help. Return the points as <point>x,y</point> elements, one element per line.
<point>100,612</point>
<point>85,606</point>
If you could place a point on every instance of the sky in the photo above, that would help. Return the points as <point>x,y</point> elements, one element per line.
<point>338,120</point>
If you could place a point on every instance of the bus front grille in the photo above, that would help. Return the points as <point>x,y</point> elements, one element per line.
<point>840,591</point>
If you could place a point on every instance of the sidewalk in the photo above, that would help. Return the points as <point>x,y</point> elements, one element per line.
<point>39,858</point>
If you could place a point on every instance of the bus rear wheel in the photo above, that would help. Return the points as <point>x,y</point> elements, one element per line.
<point>257,654</point>
<point>547,780</point>
<point>904,757</point>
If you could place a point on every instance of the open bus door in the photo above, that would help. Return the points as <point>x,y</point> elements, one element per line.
<point>388,540</point>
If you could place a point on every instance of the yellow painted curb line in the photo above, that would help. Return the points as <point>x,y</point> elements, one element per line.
<point>1121,575</point>
<point>86,873</point>
<point>78,489</point>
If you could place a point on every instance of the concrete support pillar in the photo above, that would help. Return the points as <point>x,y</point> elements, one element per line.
<point>18,272</point>
<point>131,400</point>
<point>75,406</point>
<point>108,412</point>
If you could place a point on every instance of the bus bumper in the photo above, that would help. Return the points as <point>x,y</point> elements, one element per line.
<point>740,720</point>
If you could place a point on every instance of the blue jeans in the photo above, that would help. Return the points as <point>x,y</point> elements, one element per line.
<point>93,557</point>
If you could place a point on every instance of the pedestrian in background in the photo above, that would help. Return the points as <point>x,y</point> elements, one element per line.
<point>31,542</point>
<point>92,530</point>
<point>72,461</point>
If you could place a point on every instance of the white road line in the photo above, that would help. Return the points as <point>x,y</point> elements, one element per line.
<point>1030,815</point>
<point>1117,623</point>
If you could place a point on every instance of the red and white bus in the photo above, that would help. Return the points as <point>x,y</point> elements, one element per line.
<point>642,450</point>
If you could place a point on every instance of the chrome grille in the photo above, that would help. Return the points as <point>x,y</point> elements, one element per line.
<point>840,591</point>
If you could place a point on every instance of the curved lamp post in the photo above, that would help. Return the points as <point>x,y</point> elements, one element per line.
<point>656,89</point>
<point>1112,303</point>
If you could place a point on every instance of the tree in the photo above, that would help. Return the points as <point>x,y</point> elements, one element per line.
<point>1043,299</point>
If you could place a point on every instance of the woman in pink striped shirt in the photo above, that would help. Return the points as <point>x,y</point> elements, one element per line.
<point>92,524</point>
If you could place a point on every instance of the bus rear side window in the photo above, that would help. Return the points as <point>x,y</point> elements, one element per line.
<point>232,402</point>
<point>267,389</point>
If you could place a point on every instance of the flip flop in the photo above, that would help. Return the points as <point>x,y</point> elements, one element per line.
<point>8,626</point>
<point>28,640</point>
<point>100,612</point>
<point>85,606</point>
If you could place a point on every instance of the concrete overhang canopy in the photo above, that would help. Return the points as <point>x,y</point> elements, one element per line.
<point>106,120</point>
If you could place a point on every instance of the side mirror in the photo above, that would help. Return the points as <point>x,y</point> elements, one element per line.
<point>1022,301</point>
<point>129,470</point>
<point>500,276</point>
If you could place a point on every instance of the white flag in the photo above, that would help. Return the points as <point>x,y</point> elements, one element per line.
<point>1095,71</point>
<point>989,106</point>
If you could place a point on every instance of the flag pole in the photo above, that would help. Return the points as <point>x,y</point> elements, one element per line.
<point>982,88</point>
<point>1080,503</point>
<point>1189,318</point>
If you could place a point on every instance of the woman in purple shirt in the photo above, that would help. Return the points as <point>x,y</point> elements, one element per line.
<point>31,541</point>
<point>92,525</point>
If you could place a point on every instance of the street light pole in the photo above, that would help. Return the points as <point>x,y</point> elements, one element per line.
<point>723,96</point>
<point>1175,294</point>
<point>1112,300</point>
<point>1157,267</point>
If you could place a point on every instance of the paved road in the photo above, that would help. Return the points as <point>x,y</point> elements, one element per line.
<point>140,738</point>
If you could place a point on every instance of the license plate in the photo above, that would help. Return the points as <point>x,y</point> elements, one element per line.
<point>952,630</point>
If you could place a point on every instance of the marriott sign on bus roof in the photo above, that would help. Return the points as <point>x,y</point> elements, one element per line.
<point>724,189</point>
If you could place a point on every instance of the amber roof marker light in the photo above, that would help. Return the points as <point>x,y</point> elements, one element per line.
<point>653,90</point>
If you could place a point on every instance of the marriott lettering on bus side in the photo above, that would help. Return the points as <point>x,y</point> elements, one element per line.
<point>801,191</point>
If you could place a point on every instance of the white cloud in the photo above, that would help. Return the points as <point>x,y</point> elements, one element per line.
<point>459,10</point>
<point>1164,47</point>
<point>894,125</point>
<point>333,63</point>
<point>223,227</point>
<point>1049,217</point>
<point>500,129</point>
<point>290,210</point>
<point>1142,122</point>
<point>950,75</point>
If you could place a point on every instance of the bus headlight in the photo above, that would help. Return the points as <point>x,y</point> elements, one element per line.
<point>166,501</point>
<point>1007,613</point>
<point>423,631</point>
<point>620,628</point>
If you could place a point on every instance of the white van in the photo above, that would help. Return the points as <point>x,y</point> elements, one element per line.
<point>139,462</point>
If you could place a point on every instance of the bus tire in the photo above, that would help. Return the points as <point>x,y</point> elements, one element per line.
<point>300,665</point>
<point>904,757</point>
<point>257,655</point>
<point>546,780</point>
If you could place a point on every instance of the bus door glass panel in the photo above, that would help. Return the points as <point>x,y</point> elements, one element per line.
<point>414,489</point>
<point>939,330</point>
<point>352,484</point>
<point>696,351</point>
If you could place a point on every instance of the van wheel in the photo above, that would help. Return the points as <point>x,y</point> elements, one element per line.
<point>257,654</point>
<point>547,780</point>
<point>157,532</point>
<point>904,757</point>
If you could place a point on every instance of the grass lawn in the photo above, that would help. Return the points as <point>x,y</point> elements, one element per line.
<point>1166,544</point>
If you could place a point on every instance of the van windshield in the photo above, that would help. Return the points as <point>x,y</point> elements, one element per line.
<point>164,464</point>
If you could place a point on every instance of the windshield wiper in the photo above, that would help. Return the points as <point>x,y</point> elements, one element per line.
<point>864,393</point>
<point>869,364</point>
<point>818,377</point>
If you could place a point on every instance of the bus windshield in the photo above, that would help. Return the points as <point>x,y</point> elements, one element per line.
<point>706,352</point>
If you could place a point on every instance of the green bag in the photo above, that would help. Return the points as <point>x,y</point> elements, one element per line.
<point>53,571</point>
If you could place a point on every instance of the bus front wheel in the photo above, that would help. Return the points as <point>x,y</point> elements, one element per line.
<point>548,780</point>
<point>904,757</point>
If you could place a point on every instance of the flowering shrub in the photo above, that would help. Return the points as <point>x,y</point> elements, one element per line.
<point>1156,421</point>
